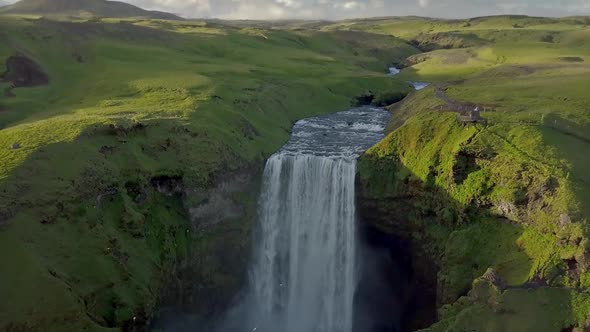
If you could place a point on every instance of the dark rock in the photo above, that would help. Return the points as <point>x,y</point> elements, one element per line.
<point>106,149</point>
<point>571,59</point>
<point>125,127</point>
<point>363,100</point>
<point>573,269</point>
<point>24,72</point>
<point>168,185</point>
<point>47,221</point>
<point>564,220</point>
<point>491,276</point>
<point>137,192</point>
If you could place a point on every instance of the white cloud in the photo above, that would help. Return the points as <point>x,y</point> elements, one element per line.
<point>350,5</point>
<point>290,3</point>
<point>423,3</point>
<point>335,9</point>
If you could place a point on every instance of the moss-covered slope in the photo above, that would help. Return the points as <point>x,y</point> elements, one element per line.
<point>508,194</point>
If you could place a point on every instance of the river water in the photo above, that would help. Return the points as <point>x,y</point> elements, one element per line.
<point>303,276</point>
<point>419,85</point>
<point>393,71</point>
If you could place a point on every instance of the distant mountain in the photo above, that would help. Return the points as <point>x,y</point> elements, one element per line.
<point>101,8</point>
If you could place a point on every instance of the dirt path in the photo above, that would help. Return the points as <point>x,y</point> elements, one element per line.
<point>457,106</point>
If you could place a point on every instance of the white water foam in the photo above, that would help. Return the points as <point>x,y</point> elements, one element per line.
<point>373,127</point>
<point>304,274</point>
<point>419,85</point>
<point>394,71</point>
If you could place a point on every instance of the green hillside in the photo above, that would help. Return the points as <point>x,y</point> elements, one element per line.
<point>91,237</point>
<point>509,194</point>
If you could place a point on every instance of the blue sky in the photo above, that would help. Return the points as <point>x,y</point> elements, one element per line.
<point>337,9</point>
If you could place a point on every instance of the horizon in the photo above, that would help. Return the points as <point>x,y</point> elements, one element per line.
<point>335,10</point>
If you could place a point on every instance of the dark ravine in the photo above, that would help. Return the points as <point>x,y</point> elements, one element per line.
<point>401,295</point>
<point>409,271</point>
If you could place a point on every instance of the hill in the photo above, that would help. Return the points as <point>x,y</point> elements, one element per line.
<point>100,8</point>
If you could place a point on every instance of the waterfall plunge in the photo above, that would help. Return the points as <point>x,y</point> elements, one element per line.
<point>303,274</point>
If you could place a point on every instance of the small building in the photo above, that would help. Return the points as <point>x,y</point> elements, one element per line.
<point>472,116</point>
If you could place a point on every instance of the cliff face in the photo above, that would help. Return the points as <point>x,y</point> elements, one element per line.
<point>470,207</point>
<point>215,269</point>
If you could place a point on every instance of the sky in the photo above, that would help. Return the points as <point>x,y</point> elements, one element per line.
<point>339,9</point>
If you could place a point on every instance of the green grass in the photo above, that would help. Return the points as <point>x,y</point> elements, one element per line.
<point>544,309</point>
<point>504,192</point>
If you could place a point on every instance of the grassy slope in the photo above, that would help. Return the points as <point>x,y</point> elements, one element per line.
<point>129,101</point>
<point>523,175</point>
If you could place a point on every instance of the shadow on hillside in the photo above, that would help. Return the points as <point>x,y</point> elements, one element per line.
<point>570,139</point>
<point>390,296</point>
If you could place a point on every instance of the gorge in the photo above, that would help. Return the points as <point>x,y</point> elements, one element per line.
<point>306,258</point>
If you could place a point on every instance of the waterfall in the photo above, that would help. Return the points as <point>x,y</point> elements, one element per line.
<point>303,273</point>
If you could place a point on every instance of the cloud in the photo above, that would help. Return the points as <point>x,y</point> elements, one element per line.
<point>423,3</point>
<point>338,9</point>
<point>350,5</point>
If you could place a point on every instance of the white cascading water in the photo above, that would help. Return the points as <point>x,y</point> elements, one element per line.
<point>303,275</point>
